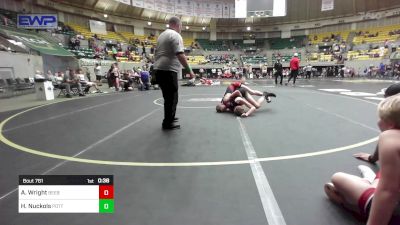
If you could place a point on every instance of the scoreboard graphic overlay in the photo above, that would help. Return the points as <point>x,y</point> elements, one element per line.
<point>66,194</point>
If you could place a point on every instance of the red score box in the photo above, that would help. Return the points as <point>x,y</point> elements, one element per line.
<point>106,192</point>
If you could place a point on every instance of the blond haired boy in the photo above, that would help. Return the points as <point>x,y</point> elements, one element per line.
<point>375,201</point>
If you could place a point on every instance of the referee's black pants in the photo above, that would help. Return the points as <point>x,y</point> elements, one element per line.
<point>168,82</point>
<point>308,75</point>
<point>278,74</point>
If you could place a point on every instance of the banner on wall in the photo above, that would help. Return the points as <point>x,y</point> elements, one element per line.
<point>217,6</point>
<point>37,21</point>
<point>327,5</point>
<point>92,62</point>
<point>169,6</point>
<point>138,3</point>
<point>188,8</point>
<point>198,8</point>
<point>207,9</point>
<point>149,4</point>
<point>97,27</point>
<point>225,10</point>
<point>164,7</point>
<point>232,10</point>
<point>159,5</point>
<point>179,7</point>
<point>128,2</point>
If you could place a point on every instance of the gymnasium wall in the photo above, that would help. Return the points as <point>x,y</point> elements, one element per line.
<point>23,65</point>
<point>58,64</point>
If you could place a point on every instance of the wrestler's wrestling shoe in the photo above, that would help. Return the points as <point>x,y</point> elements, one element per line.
<point>268,96</point>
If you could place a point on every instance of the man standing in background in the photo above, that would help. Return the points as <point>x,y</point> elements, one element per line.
<point>308,71</point>
<point>294,68</point>
<point>168,60</point>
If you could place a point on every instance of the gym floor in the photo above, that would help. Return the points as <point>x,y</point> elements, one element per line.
<point>269,168</point>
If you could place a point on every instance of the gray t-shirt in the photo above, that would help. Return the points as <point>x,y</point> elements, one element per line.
<point>97,70</point>
<point>169,44</point>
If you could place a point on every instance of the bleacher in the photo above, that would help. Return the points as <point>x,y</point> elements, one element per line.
<point>64,31</point>
<point>82,53</point>
<point>260,43</point>
<point>286,43</point>
<point>85,32</point>
<point>367,54</point>
<point>321,57</point>
<point>135,58</point>
<point>327,37</point>
<point>218,45</point>
<point>239,44</point>
<point>122,57</point>
<point>383,34</point>
<point>284,57</point>
<point>142,38</point>
<point>150,41</point>
<point>222,59</point>
<point>187,42</point>
<point>69,33</point>
<point>196,60</point>
<point>257,59</point>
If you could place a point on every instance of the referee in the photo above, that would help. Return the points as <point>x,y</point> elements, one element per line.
<point>169,56</point>
<point>278,71</point>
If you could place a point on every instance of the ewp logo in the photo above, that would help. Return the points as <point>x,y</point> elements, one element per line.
<point>37,21</point>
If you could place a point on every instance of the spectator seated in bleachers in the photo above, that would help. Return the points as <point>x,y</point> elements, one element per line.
<point>222,59</point>
<point>194,45</point>
<point>217,45</point>
<point>104,53</point>
<point>85,83</point>
<point>71,80</point>
<point>254,59</point>
<point>196,60</point>
<point>394,32</point>
<point>367,54</point>
<point>72,42</point>
<point>377,34</point>
<point>151,36</point>
<point>325,56</point>
<point>328,37</point>
<point>8,18</point>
